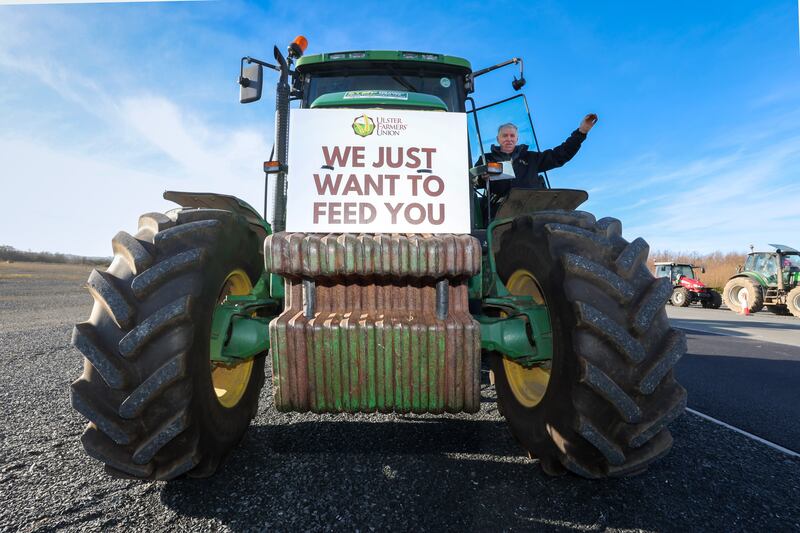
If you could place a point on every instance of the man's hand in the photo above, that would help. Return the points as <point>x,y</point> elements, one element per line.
<point>587,123</point>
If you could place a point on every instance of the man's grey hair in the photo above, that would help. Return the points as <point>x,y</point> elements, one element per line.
<point>507,125</point>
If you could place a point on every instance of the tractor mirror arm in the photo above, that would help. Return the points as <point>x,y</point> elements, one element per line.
<point>276,68</point>
<point>251,77</point>
<point>517,84</point>
<point>259,62</point>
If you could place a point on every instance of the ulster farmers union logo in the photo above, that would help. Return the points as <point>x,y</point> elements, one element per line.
<point>363,126</point>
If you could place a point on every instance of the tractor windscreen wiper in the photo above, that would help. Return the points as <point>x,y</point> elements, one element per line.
<point>402,80</point>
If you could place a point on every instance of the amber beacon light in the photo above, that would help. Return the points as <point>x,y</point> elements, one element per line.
<point>298,46</point>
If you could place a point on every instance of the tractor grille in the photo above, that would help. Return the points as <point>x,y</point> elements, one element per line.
<point>373,341</point>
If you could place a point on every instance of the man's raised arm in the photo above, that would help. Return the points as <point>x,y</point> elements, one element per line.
<point>558,156</point>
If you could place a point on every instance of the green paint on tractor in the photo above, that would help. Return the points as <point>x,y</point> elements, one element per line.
<point>393,56</point>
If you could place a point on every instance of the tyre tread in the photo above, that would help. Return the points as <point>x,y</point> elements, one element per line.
<point>650,304</point>
<point>108,365</point>
<point>607,329</point>
<point>615,286</point>
<point>103,289</point>
<point>173,313</point>
<point>152,387</point>
<point>132,251</point>
<point>604,386</point>
<point>170,429</point>
<point>151,279</point>
<point>647,431</point>
<point>99,446</point>
<point>84,402</point>
<point>610,451</point>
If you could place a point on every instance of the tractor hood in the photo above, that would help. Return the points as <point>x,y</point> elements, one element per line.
<point>691,284</point>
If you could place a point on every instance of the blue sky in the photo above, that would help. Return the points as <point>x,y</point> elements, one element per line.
<point>104,106</point>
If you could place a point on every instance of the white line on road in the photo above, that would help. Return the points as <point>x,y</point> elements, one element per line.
<point>778,447</point>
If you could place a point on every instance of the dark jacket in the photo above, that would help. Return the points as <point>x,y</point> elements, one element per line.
<point>528,164</point>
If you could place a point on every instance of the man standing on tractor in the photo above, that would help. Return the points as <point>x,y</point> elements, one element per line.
<point>528,164</point>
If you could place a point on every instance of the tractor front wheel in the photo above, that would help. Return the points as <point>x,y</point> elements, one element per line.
<point>780,310</point>
<point>601,406</point>
<point>157,406</point>
<point>714,302</point>
<point>793,301</point>
<point>681,297</point>
<point>743,293</point>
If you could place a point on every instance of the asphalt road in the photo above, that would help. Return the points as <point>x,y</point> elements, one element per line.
<point>743,370</point>
<point>761,326</point>
<point>304,472</point>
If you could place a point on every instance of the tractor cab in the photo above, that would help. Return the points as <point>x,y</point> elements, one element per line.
<point>382,79</point>
<point>676,271</point>
<point>783,263</point>
<point>421,81</point>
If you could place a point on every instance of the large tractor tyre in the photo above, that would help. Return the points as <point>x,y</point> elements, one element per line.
<point>156,404</point>
<point>793,301</point>
<point>714,302</point>
<point>602,405</point>
<point>743,292</point>
<point>681,297</point>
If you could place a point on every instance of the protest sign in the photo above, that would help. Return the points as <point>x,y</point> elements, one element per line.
<point>378,170</point>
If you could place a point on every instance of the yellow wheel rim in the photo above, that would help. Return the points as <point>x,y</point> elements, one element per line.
<point>527,384</point>
<point>230,381</point>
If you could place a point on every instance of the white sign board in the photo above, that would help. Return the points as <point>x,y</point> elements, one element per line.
<point>377,171</point>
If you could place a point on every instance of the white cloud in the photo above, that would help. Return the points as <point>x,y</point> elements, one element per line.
<point>726,202</point>
<point>59,200</point>
<point>71,191</point>
<point>83,195</point>
<point>197,148</point>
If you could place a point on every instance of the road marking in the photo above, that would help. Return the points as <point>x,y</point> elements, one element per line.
<point>778,447</point>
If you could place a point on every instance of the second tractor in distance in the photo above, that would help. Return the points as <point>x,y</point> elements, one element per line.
<point>686,287</point>
<point>770,279</point>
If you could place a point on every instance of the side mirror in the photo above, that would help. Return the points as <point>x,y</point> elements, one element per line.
<point>702,270</point>
<point>250,82</point>
<point>518,84</point>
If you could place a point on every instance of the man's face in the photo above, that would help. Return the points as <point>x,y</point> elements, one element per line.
<point>507,139</point>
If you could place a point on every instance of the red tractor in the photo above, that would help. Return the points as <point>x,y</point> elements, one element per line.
<point>686,288</point>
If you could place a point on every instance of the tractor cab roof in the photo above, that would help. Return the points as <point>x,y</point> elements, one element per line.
<point>783,248</point>
<point>673,263</point>
<point>346,60</point>
<point>780,249</point>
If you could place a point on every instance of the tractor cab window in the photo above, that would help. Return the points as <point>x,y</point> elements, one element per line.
<point>791,262</point>
<point>663,271</point>
<point>513,110</point>
<point>758,263</point>
<point>769,268</point>
<point>683,270</point>
<point>447,86</point>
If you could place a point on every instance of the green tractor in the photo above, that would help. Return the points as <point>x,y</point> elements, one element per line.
<point>770,279</point>
<point>558,305</point>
